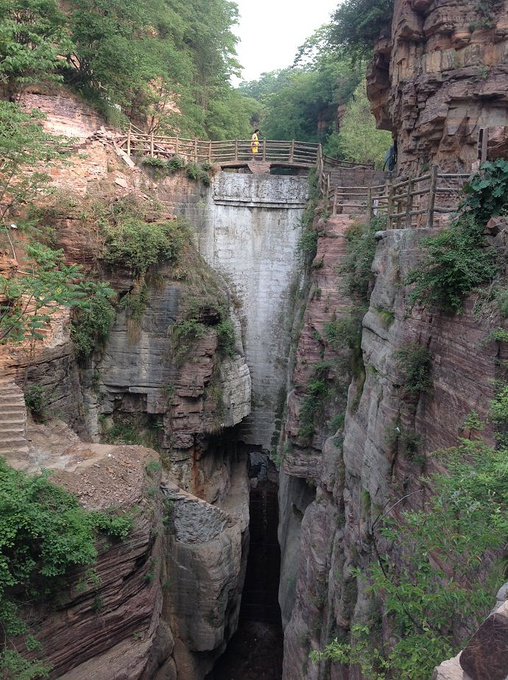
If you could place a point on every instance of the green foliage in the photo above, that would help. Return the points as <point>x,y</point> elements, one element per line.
<point>136,300</point>
<point>357,265</point>
<point>358,139</point>
<point>175,163</point>
<point>346,334</point>
<point>24,144</point>
<point>33,41</point>
<point>300,102</point>
<point>131,242</point>
<point>226,337</point>
<point>192,171</point>
<point>456,261</point>
<point>414,363</point>
<point>313,401</point>
<point>498,414</point>
<point>44,535</point>
<point>148,57</point>
<point>35,401</point>
<point>93,319</point>
<point>485,195</point>
<point>434,579</point>
<point>123,433</point>
<point>14,667</point>
<point>31,299</point>
<point>357,24</point>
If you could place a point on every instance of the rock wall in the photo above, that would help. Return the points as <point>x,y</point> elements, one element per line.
<point>441,78</point>
<point>330,533</point>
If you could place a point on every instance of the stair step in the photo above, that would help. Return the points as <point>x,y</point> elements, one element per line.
<point>15,445</point>
<point>10,433</point>
<point>12,417</point>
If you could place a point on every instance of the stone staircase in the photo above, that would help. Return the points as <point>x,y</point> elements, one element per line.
<point>13,416</point>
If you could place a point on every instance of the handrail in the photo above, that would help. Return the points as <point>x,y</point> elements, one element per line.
<point>407,203</point>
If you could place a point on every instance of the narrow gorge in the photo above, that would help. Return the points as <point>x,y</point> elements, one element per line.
<point>274,402</point>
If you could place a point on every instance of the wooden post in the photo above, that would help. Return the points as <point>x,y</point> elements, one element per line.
<point>432,195</point>
<point>409,204</point>
<point>389,183</point>
<point>370,211</point>
<point>176,147</point>
<point>236,149</point>
<point>292,151</point>
<point>195,151</point>
<point>264,149</point>
<point>129,141</point>
<point>151,143</point>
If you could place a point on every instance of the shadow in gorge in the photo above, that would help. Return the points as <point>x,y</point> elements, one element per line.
<point>255,651</point>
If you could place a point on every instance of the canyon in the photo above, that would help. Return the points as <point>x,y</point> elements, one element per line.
<point>166,602</point>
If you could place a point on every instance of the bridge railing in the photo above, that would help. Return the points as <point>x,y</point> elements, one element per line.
<point>292,152</point>
<point>409,203</point>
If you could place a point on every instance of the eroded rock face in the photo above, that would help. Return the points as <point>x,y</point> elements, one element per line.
<point>353,482</point>
<point>108,621</point>
<point>205,572</point>
<point>440,79</point>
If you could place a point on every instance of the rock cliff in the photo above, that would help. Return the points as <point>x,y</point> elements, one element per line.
<point>181,394</point>
<point>439,82</point>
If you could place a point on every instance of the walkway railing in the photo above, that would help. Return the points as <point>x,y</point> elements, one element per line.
<point>409,203</point>
<point>228,152</point>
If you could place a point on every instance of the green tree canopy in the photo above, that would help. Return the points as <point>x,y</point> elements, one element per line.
<point>33,40</point>
<point>357,24</point>
<point>301,101</point>
<point>358,139</point>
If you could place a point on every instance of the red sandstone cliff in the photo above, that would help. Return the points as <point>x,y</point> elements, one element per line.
<point>441,79</point>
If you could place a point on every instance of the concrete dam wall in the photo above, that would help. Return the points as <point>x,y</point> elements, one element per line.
<point>249,232</point>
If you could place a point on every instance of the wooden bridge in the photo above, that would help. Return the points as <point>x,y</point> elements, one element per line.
<point>346,187</point>
<point>227,153</point>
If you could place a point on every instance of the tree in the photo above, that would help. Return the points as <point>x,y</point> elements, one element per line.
<point>24,145</point>
<point>357,24</point>
<point>358,139</point>
<point>33,40</point>
<point>301,102</point>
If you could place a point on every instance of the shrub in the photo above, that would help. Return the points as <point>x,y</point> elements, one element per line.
<point>44,535</point>
<point>456,261</point>
<point>35,401</point>
<point>485,195</point>
<point>92,320</point>
<point>139,245</point>
<point>154,162</point>
<point>356,268</point>
<point>175,163</point>
<point>205,178</point>
<point>414,363</point>
<point>226,337</point>
<point>192,171</point>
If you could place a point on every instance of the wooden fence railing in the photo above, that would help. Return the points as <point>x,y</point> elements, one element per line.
<point>409,203</point>
<point>136,143</point>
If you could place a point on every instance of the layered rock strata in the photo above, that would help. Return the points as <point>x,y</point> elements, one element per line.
<point>439,80</point>
<point>334,528</point>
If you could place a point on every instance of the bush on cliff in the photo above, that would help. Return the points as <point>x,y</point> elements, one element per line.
<point>44,535</point>
<point>357,24</point>
<point>458,259</point>
<point>434,569</point>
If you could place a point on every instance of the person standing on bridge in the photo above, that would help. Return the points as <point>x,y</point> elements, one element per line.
<point>254,143</point>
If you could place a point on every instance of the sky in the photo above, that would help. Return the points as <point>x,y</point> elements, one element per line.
<point>271,31</point>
